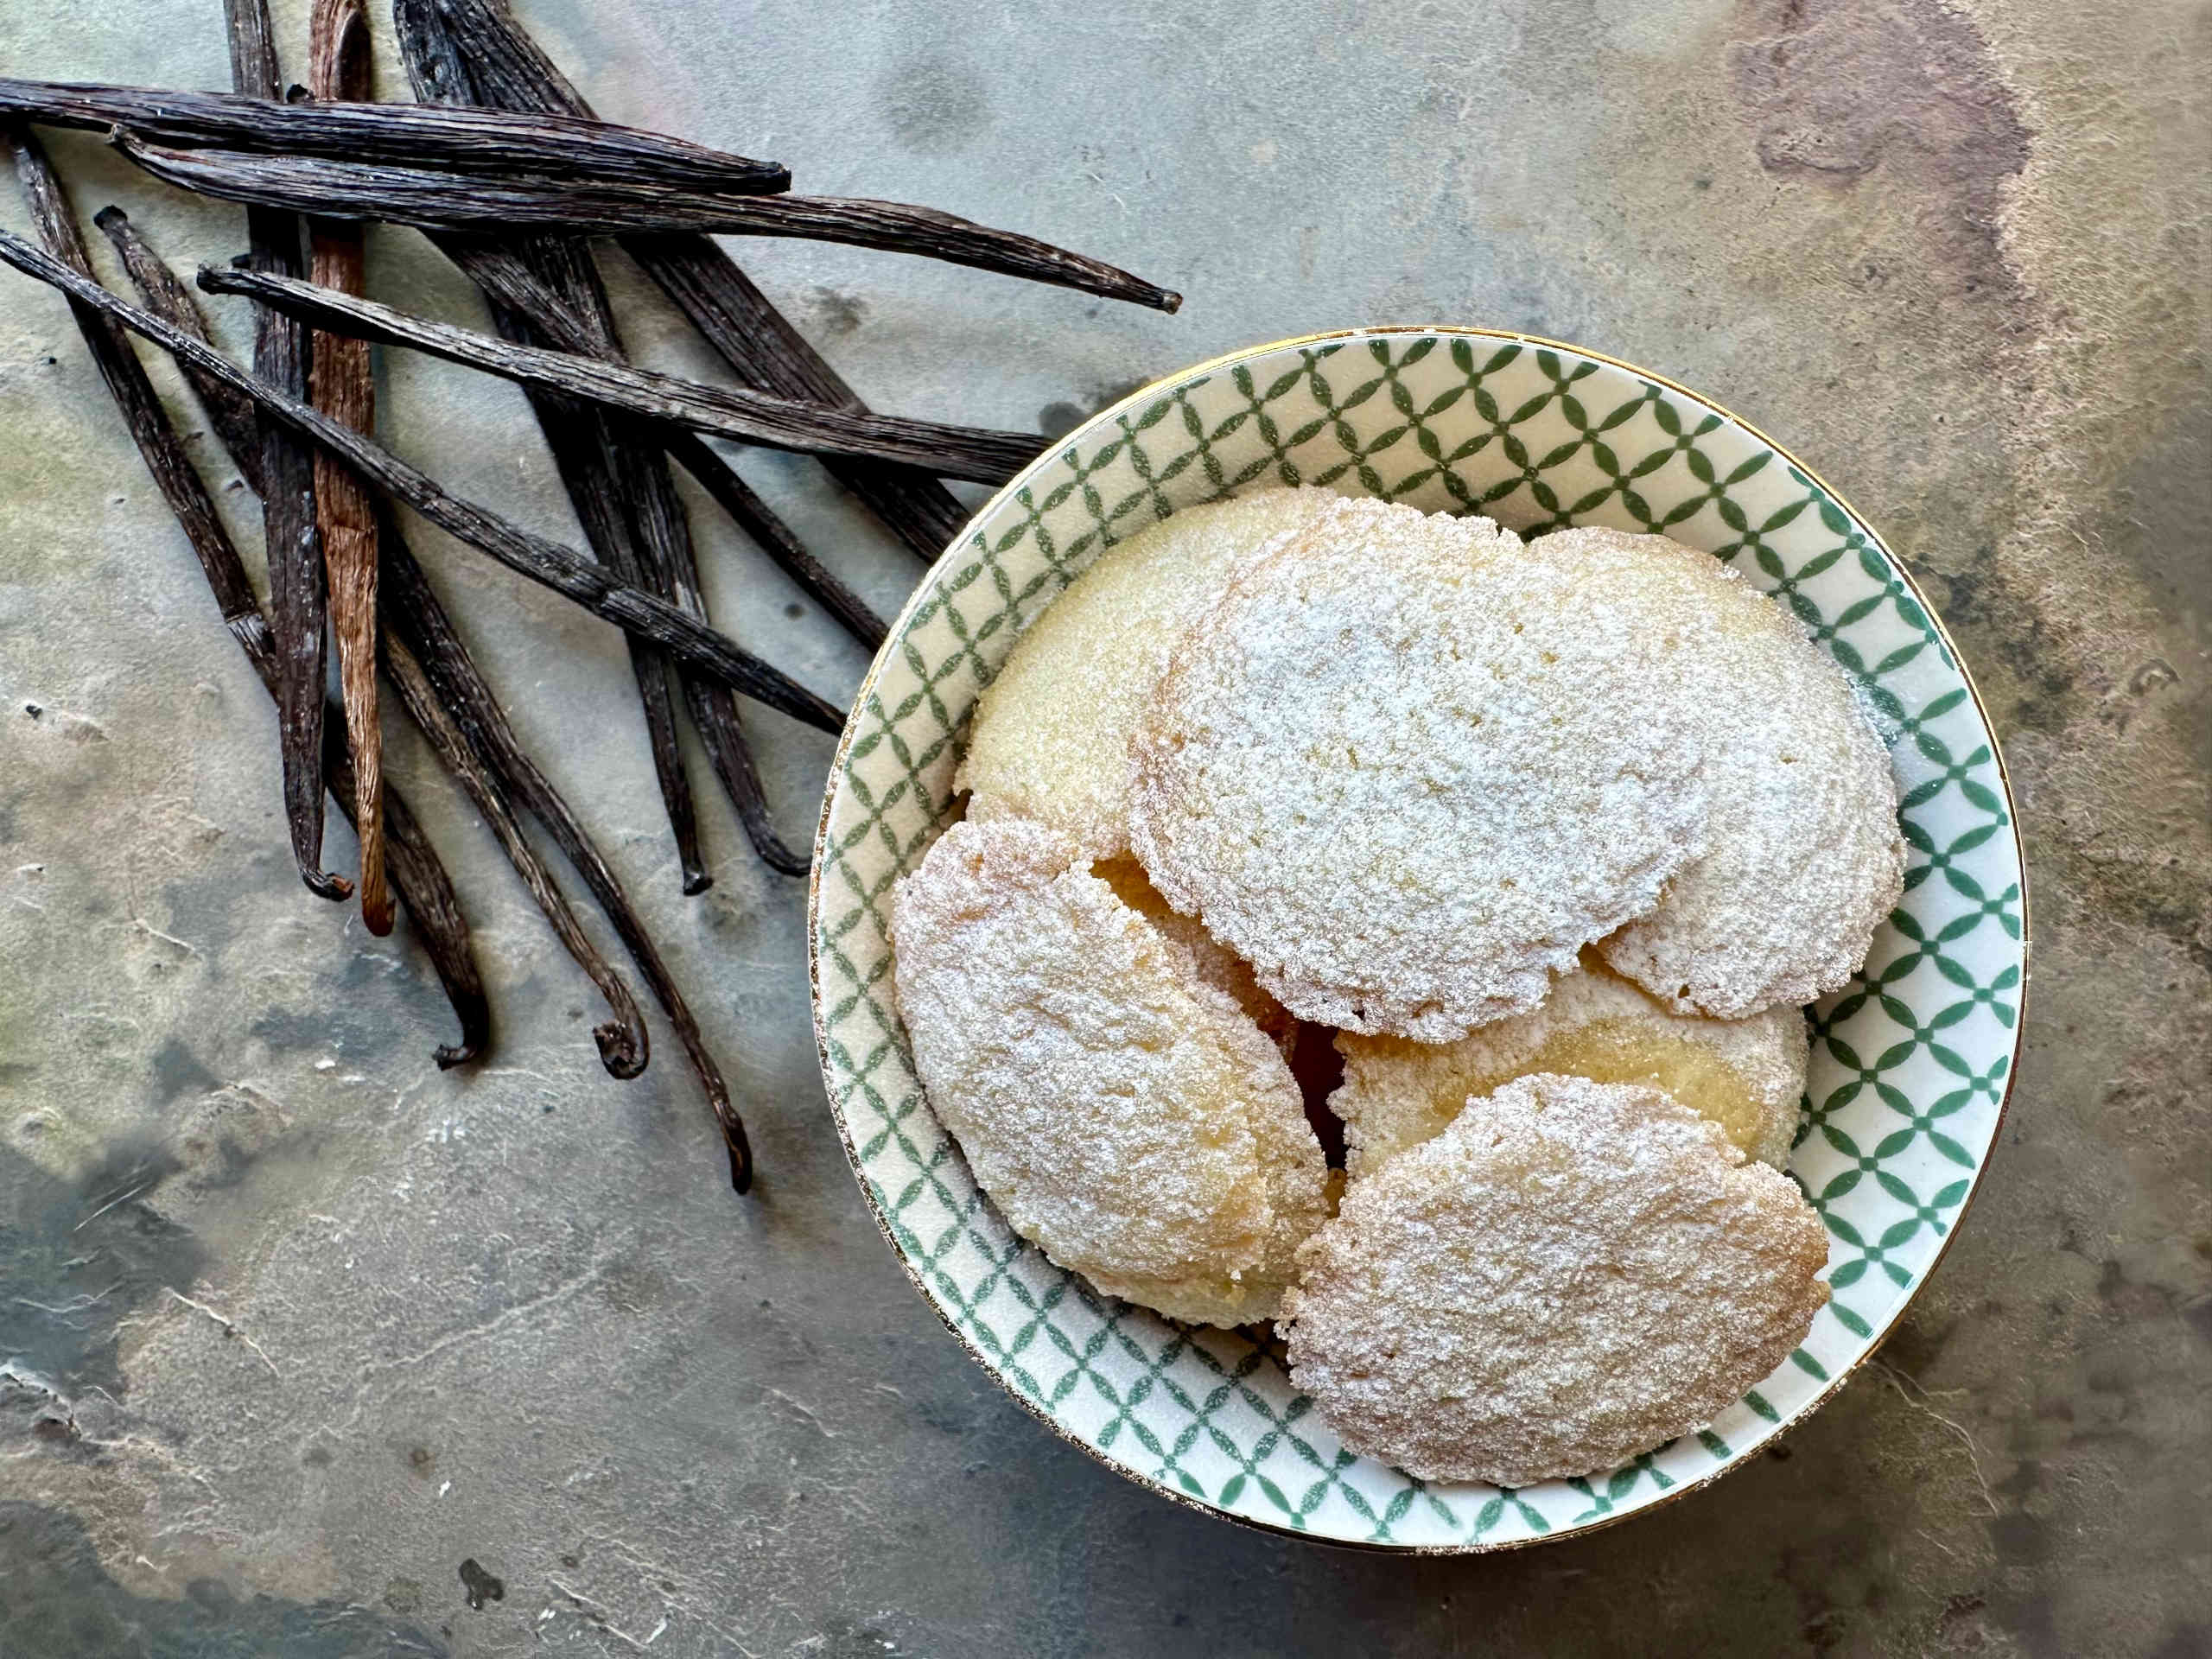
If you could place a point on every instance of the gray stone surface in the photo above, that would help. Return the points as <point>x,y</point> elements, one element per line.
<point>325,1324</point>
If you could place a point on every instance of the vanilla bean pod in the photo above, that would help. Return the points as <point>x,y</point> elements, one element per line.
<point>478,143</point>
<point>417,196</point>
<point>730,313</point>
<point>714,711</point>
<point>297,603</point>
<point>592,452</point>
<point>416,871</point>
<point>546,562</point>
<point>759,521</point>
<point>973,453</point>
<point>581,440</point>
<point>506,278</point>
<point>342,386</point>
<point>229,411</point>
<point>631,467</point>
<point>412,861</point>
<point>624,1047</point>
<point>413,614</point>
<point>770,355</point>
<point>644,500</point>
<point>426,893</point>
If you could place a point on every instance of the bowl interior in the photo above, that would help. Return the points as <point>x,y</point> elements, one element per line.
<point>1910,1065</point>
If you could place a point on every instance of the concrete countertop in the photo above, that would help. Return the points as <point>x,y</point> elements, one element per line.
<point>323,1323</point>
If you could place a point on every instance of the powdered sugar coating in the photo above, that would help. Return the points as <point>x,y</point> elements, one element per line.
<point>1205,956</point>
<point>1746,1075</point>
<point>1281,1133</point>
<point>1571,1273</point>
<point>1407,768</point>
<point>1123,1113</point>
<point>1804,858</point>
<point>1050,740</point>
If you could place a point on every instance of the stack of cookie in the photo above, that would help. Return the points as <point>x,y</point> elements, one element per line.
<point>1554,836</point>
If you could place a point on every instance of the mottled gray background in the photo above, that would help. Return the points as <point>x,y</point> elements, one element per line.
<point>321,1323</point>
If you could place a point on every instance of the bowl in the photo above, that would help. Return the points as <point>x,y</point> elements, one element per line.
<point>1911,1064</point>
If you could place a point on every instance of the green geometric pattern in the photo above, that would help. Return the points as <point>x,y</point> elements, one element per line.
<point>1910,1065</point>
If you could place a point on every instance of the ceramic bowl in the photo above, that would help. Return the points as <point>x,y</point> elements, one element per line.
<point>1911,1064</point>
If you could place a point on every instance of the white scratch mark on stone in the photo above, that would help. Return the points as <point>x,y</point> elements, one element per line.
<point>146,927</point>
<point>229,1328</point>
<point>160,1455</point>
<point>599,1621</point>
<point>121,1197</point>
<point>644,1566</point>
<point>805,1411</point>
<point>736,1646</point>
<point>1901,1382</point>
<point>63,1310</point>
<point>492,1327</point>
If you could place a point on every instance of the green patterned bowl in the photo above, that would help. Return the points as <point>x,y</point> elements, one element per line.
<point>1911,1065</point>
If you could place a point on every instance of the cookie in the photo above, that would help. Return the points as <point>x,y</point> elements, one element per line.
<point>1051,735</point>
<point>1571,1273</point>
<point>1746,1075</point>
<point>1804,857</point>
<point>1123,1113</point>
<point>1407,767</point>
<point>1205,955</point>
